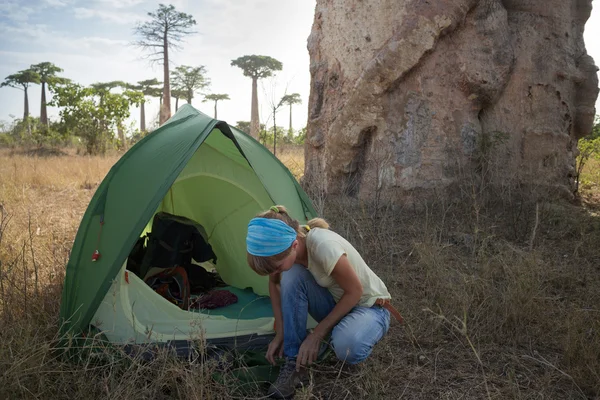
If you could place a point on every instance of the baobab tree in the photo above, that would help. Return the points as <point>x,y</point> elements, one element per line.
<point>216,98</point>
<point>165,30</point>
<point>256,67</point>
<point>190,80</point>
<point>21,80</point>
<point>177,94</point>
<point>47,73</point>
<point>290,99</point>
<point>147,88</point>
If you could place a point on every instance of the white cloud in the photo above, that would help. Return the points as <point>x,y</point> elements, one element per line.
<point>14,11</point>
<point>56,3</point>
<point>119,3</point>
<point>22,32</point>
<point>118,17</point>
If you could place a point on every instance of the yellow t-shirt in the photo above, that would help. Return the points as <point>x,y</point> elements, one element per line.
<point>324,249</point>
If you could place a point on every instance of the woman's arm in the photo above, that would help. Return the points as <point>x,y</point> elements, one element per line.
<point>275,293</point>
<point>344,275</point>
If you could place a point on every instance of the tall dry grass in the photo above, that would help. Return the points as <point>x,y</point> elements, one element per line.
<point>501,300</point>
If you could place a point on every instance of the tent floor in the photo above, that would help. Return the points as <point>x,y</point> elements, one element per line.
<point>249,305</point>
<point>214,347</point>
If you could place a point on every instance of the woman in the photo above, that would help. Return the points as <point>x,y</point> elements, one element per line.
<point>315,271</point>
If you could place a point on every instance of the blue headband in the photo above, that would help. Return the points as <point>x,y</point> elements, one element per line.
<point>267,237</point>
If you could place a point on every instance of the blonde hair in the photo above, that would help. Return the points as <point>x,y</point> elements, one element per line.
<point>268,265</point>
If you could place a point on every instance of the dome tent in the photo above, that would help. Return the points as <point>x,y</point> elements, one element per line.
<point>193,166</point>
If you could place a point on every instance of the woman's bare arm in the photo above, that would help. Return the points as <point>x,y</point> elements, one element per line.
<point>344,275</point>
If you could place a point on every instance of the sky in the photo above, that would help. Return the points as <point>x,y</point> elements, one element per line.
<point>91,40</point>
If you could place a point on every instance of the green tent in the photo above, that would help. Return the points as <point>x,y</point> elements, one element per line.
<point>192,166</point>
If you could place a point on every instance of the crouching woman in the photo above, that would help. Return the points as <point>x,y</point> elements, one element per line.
<point>313,270</point>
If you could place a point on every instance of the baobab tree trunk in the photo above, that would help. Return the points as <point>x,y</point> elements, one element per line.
<point>26,107</point>
<point>165,109</point>
<point>254,122</point>
<point>142,117</point>
<point>43,113</point>
<point>290,131</point>
<point>26,113</point>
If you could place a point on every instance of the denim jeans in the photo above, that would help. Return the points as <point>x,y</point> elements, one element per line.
<point>352,338</point>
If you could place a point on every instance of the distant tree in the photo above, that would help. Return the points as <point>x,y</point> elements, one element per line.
<point>243,126</point>
<point>216,98</point>
<point>21,80</point>
<point>91,113</point>
<point>177,94</point>
<point>47,72</point>
<point>165,30</point>
<point>190,80</point>
<point>102,89</point>
<point>148,88</point>
<point>256,67</point>
<point>291,99</point>
<point>158,93</point>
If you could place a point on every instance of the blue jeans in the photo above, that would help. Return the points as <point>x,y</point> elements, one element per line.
<point>352,338</point>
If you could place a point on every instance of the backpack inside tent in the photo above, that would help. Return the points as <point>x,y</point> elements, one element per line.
<point>201,170</point>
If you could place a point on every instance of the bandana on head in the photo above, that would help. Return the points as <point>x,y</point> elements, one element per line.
<point>267,237</point>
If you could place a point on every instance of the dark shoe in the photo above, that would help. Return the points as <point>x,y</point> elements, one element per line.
<point>288,380</point>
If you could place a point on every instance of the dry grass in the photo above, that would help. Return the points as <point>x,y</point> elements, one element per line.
<point>293,158</point>
<point>492,310</point>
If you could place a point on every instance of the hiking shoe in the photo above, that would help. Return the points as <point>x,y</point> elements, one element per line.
<point>288,380</point>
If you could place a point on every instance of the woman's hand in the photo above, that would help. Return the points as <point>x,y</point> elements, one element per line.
<point>309,350</point>
<point>275,348</point>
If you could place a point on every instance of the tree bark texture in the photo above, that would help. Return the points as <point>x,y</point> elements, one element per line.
<point>410,95</point>
<point>254,119</point>
<point>165,109</point>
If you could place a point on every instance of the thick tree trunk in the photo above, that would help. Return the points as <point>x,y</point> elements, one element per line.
<point>254,121</point>
<point>190,95</point>
<point>26,112</point>
<point>142,117</point>
<point>216,109</point>
<point>26,106</point>
<point>165,109</point>
<point>43,113</point>
<point>404,110</point>
<point>290,131</point>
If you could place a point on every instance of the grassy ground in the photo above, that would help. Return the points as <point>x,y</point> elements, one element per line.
<point>501,298</point>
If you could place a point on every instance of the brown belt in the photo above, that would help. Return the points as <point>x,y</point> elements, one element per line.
<point>385,303</point>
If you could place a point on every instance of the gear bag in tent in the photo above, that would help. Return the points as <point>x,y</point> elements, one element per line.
<point>175,241</point>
